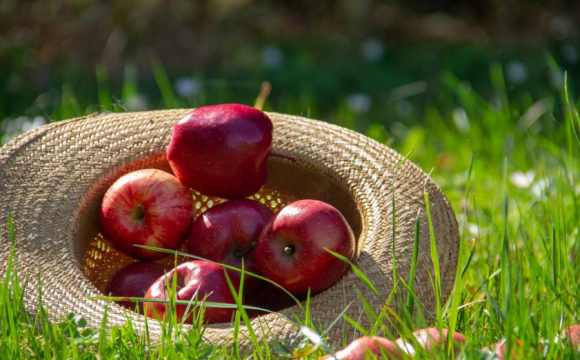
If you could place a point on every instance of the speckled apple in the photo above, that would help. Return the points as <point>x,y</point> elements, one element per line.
<point>571,336</point>
<point>133,281</point>
<point>228,233</point>
<point>146,207</point>
<point>368,348</point>
<point>292,247</point>
<point>499,349</point>
<point>199,276</point>
<point>430,339</point>
<point>221,150</point>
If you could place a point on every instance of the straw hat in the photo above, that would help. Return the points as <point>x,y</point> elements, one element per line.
<point>52,180</point>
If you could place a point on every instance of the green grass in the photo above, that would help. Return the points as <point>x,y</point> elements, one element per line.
<point>518,272</point>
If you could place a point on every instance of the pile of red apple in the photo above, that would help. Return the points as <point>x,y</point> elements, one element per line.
<point>219,151</point>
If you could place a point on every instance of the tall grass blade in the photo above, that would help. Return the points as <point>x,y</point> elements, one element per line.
<point>414,260</point>
<point>104,91</point>
<point>238,299</point>
<point>164,84</point>
<point>435,261</point>
<point>130,87</point>
<point>232,268</point>
<point>394,214</point>
<point>338,317</point>
<point>358,272</point>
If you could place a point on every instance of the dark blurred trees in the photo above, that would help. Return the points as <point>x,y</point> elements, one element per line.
<point>206,33</point>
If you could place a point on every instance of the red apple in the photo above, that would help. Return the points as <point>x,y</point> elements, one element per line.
<point>221,150</point>
<point>204,277</point>
<point>291,249</point>
<point>228,233</point>
<point>571,335</point>
<point>146,207</point>
<point>133,281</point>
<point>430,339</point>
<point>368,348</point>
<point>499,350</point>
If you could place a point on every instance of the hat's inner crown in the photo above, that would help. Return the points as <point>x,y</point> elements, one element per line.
<point>287,182</point>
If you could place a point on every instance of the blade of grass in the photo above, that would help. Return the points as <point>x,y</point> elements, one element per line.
<point>164,85</point>
<point>104,91</point>
<point>414,261</point>
<point>130,87</point>
<point>434,259</point>
<point>357,271</point>
<point>457,290</point>
<point>356,325</point>
<point>338,317</point>
<point>238,299</point>
<point>208,304</point>
<point>233,268</point>
<point>394,215</point>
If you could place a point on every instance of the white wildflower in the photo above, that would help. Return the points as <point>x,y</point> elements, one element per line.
<point>522,180</point>
<point>372,50</point>
<point>359,102</point>
<point>272,56</point>
<point>186,87</point>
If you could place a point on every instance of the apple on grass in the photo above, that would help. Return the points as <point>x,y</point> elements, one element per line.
<point>221,150</point>
<point>228,233</point>
<point>368,347</point>
<point>430,339</point>
<point>146,207</point>
<point>133,281</point>
<point>499,350</point>
<point>571,336</point>
<point>292,247</point>
<point>193,278</point>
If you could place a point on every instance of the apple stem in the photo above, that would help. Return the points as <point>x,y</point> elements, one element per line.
<point>282,156</point>
<point>140,211</point>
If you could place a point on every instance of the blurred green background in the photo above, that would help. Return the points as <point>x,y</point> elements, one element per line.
<point>375,66</point>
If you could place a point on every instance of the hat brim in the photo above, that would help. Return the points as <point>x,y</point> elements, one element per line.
<point>51,180</point>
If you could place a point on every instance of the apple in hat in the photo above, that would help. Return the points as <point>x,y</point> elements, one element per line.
<point>228,233</point>
<point>146,207</point>
<point>368,347</point>
<point>202,277</point>
<point>133,281</point>
<point>221,150</point>
<point>292,247</point>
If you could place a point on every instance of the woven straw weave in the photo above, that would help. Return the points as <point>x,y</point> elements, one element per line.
<point>53,178</point>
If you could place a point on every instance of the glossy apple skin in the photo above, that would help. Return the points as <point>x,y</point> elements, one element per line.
<point>431,340</point>
<point>191,276</point>
<point>133,281</point>
<point>221,150</point>
<point>291,249</point>
<point>228,233</point>
<point>365,347</point>
<point>146,207</point>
